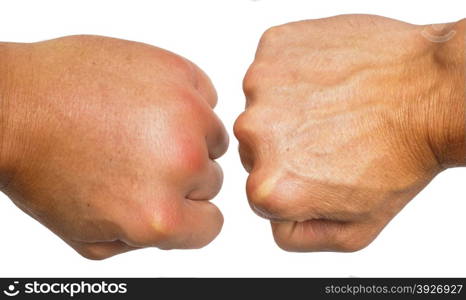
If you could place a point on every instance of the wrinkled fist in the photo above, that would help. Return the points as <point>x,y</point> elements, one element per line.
<point>110,143</point>
<point>347,119</point>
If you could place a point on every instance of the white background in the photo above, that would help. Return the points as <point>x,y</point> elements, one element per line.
<point>426,239</point>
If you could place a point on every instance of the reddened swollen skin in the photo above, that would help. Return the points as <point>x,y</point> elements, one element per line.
<point>347,118</point>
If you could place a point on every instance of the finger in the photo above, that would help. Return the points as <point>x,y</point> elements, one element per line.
<point>100,250</point>
<point>278,194</point>
<point>253,83</point>
<point>274,197</point>
<point>249,138</point>
<point>204,85</point>
<point>212,128</point>
<point>323,235</point>
<point>217,137</point>
<point>246,156</point>
<point>208,183</point>
<point>178,223</point>
<point>197,224</point>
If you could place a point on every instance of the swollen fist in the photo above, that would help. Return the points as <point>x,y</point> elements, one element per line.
<point>110,143</point>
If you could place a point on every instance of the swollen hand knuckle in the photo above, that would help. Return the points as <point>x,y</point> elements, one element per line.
<point>266,197</point>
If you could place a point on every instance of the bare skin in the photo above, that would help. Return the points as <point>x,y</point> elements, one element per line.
<point>110,144</point>
<point>347,119</point>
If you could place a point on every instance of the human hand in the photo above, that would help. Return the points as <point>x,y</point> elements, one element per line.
<point>110,143</point>
<point>347,119</point>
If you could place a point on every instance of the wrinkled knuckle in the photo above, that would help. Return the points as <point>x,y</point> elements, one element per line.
<point>266,199</point>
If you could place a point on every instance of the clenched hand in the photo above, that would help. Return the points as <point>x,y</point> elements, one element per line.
<point>347,119</point>
<point>110,143</point>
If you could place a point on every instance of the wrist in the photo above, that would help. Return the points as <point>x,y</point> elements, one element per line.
<point>446,120</point>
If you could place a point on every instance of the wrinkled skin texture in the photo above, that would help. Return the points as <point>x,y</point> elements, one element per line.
<point>111,143</point>
<point>347,119</point>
